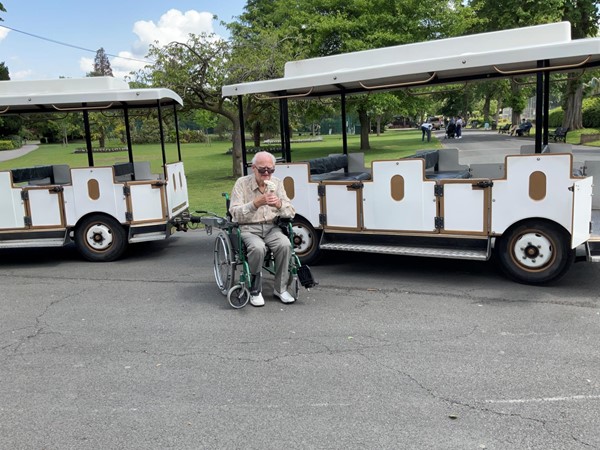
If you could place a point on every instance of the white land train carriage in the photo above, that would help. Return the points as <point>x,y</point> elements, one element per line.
<point>101,208</point>
<point>532,210</point>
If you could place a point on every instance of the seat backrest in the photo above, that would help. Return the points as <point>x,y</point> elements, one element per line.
<point>448,160</point>
<point>61,174</point>
<point>142,171</point>
<point>527,149</point>
<point>554,147</point>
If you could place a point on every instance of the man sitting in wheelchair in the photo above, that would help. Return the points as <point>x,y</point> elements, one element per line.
<point>257,200</point>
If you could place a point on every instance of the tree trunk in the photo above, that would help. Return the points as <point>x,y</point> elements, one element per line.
<point>486,108</point>
<point>236,154</point>
<point>573,118</point>
<point>256,130</point>
<point>378,125</point>
<point>102,140</point>
<point>364,130</point>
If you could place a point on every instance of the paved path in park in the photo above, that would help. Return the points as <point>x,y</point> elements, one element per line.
<point>478,146</point>
<point>6,155</point>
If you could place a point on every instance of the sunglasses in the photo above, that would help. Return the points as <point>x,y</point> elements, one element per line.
<point>263,170</point>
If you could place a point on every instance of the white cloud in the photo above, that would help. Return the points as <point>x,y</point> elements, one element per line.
<point>126,64</point>
<point>21,74</point>
<point>3,33</point>
<point>172,26</point>
<point>86,64</point>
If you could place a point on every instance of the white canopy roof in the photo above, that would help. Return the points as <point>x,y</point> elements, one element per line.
<point>478,56</point>
<point>74,93</point>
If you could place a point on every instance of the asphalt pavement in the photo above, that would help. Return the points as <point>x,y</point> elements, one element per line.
<point>387,352</point>
<point>480,146</point>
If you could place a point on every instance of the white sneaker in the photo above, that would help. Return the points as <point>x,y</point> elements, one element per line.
<point>257,300</point>
<point>285,297</point>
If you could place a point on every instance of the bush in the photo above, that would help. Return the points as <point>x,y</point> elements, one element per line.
<point>6,145</point>
<point>555,117</point>
<point>264,148</point>
<point>190,136</point>
<point>16,140</point>
<point>591,112</point>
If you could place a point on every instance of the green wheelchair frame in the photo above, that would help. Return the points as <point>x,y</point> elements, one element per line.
<point>229,253</point>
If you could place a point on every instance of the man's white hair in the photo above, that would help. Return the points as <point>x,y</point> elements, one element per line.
<point>260,154</point>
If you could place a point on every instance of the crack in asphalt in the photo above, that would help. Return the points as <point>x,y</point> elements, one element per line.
<point>39,327</point>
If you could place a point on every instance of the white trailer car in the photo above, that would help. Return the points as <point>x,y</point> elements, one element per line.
<point>100,208</point>
<point>533,210</point>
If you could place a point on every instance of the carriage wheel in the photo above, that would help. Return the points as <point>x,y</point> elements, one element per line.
<point>535,252</point>
<point>306,241</point>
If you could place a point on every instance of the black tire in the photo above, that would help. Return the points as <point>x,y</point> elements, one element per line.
<point>306,241</point>
<point>100,238</point>
<point>238,296</point>
<point>223,263</point>
<point>535,252</point>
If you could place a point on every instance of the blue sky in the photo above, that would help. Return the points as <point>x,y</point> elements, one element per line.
<point>123,28</point>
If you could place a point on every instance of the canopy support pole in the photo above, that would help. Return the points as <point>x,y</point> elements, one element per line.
<point>88,137</point>
<point>242,135</point>
<point>344,125</point>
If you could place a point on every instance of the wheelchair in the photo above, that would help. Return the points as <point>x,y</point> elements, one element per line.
<point>229,259</point>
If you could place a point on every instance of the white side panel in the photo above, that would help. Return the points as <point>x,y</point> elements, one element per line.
<point>146,202</point>
<point>69,205</point>
<point>111,200</point>
<point>177,193</point>
<point>12,211</point>
<point>341,208</point>
<point>582,211</point>
<point>463,208</point>
<point>511,200</point>
<point>45,207</point>
<point>305,194</point>
<point>416,211</point>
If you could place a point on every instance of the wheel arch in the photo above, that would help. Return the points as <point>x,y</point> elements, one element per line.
<point>521,222</point>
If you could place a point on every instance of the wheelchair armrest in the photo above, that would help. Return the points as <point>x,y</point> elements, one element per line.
<point>219,222</point>
<point>285,223</point>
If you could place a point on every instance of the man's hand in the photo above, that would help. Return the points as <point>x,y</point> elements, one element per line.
<point>268,198</point>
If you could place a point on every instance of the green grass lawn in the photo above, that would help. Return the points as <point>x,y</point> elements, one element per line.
<point>209,168</point>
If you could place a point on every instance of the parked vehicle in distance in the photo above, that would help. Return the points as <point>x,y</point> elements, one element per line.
<point>436,122</point>
<point>101,208</point>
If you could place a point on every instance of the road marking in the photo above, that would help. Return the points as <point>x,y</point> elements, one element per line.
<point>546,399</point>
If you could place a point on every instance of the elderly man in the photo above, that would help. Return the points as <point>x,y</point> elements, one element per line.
<point>256,200</point>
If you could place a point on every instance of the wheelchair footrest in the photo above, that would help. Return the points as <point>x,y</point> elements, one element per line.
<point>306,278</point>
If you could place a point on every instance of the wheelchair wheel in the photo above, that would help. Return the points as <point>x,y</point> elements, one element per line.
<point>224,263</point>
<point>238,296</point>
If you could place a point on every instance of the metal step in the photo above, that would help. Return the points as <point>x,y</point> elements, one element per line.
<point>24,243</point>
<point>593,251</point>
<point>145,237</point>
<point>453,253</point>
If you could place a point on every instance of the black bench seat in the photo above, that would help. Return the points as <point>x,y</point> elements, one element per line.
<point>334,168</point>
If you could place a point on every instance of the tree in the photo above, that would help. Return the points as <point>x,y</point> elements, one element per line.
<point>338,26</point>
<point>584,17</point>
<point>197,69</point>
<point>101,65</point>
<point>4,73</point>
